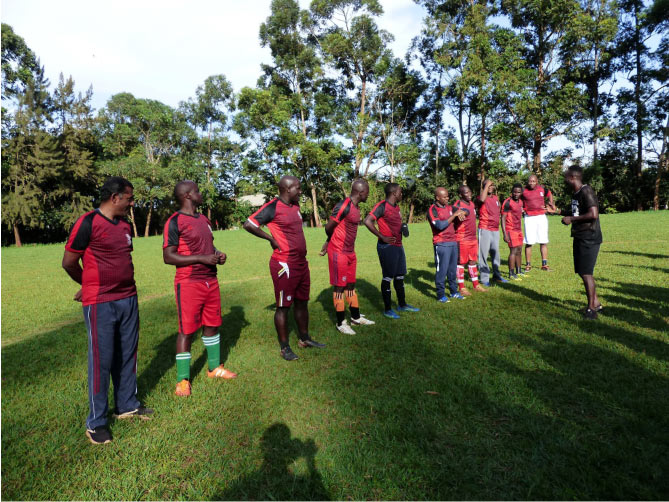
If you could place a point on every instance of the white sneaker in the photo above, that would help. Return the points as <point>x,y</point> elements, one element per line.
<point>345,328</point>
<point>362,321</point>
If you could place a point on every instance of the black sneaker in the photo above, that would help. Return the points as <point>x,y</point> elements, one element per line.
<point>141,412</point>
<point>288,354</point>
<point>308,342</point>
<point>99,435</point>
<point>599,309</point>
<point>590,314</point>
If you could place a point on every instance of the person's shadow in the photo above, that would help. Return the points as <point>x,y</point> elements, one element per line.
<point>275,480</point>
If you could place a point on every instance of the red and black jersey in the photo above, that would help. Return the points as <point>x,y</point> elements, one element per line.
<point>512,211</point>
<point>347,216</point>
<point>389,220</point>
<point>534,200</point>
<point>489,213</point>
<point>465,230</point>
<point>285,223</point>
<point>192,235</point>
<point>437,214</point>
<point>105,246</point>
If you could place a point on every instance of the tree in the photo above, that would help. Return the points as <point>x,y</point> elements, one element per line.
<point>19,64</point>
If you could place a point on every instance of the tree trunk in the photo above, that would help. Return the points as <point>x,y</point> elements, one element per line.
<point>358,142</point>
<point>412,206</point>
<point>314,203</point>
<point>132,220</point>
<point>17,236</point>
<point>148,222</point>
<point>536,155</point>
<point>661,166</point>
<point>637,99</point>
<point>482,150</point>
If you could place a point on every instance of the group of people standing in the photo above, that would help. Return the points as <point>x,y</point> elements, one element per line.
<point>101,240</point>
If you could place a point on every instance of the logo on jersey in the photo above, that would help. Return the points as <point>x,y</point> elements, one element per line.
<point>574,208</point>
<point>541,193</point>
<point>289,298</point>
<point>129,239</point>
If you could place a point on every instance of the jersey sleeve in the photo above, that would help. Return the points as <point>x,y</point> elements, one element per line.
<point>265,214</point>
<point>506,206</point>
<point>341,210</point>
<point>80,235</point>
<point>589,198</point>
<point>435,221</point>
<point>171,232</point>
<point>379,210</point>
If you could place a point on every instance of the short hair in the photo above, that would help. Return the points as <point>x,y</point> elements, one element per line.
<point>391,188</point>
<point>462,188</point>
<point>113,185</point>
<point>517,185</point>
<point>578,170</point>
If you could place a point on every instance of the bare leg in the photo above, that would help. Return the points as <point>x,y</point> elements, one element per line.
<point>528,253</point>
<point>544,251</point>
<point>590,291</point>
<point>301,313</point>
<point>184,342</point>
<point>281,323</point>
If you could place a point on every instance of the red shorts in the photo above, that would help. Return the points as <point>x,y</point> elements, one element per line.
<point>469,251</point>
<point>198,304</point>
<point>292,281</point>
<point>342,268</point>
<point>515,238</point>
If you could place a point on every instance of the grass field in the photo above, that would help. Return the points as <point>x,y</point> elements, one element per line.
<point>507,395</point>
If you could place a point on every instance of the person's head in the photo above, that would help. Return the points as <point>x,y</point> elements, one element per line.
<point>117,194</point>
<point>289,188</point>
<point>532,181</point>
<point>187,190</point>
<point>360,189</point>
<point>517,191</point>
<point>465,193</point>
<point>393,189</point>
<point>573,177</point>
<point>441,195</point>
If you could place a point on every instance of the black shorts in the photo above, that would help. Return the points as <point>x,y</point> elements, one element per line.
<point>392,259</point>
<point>585,256</point>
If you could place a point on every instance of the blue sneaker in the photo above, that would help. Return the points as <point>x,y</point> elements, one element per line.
<point>501,280</point>
<point>444,299</point>
<point>486,284</point>
<point>408,308</point>
<point>391,314</point>
<point>457,296</point>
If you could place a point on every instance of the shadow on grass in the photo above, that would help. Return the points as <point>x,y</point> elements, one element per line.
<point>423,281</point>
<point>364,289</point>
<point>654,269</point>
<point>275,480</point>
<point>654,256</point>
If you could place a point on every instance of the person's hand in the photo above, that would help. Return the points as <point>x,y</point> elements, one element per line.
<point>388,239</point>
<point>78,296</point>
<point>566,220</point>
<point>506,238</point>
<point>461,215</point>
<point>487,183</point>
<point>274,244</point>
<point>222,257</point>
<point>209,259</point>
<point>324,249</point>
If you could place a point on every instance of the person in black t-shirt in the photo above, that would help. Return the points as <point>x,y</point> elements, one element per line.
<point>587,234</point>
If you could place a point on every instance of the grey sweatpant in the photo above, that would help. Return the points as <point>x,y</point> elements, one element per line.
<point>488,244</point>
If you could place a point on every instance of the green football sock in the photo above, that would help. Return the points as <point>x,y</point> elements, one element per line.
<point>213,345</point>
<point>183,366</point>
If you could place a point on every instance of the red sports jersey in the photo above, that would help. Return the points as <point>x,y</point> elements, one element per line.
<point>436,213</point>
<point>389,220</point>
<point>285,223</point>
<point>347,215</point>
<point>513,214</point>
<point>489,213</point>
<point>105,246</point>
<point>191,235</point>
<point>534,200</point>
<point>465,230</point>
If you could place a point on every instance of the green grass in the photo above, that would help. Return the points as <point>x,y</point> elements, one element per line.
<point>507,395</point>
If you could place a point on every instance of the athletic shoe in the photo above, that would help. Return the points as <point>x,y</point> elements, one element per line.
<point>480,289</point>
<point>288,354</point>
<point>362,321</point>
<point>522,274</point>
<point>444,299</point>
<point>546,268</point>
<point>408,308</point>
<point>590,314</point>
<point>457,296</point>
<point>141,412</point>
<point>528,268</point>
<point>465,292</point>
<point>308,342</point>
<point>486,284</point>
<point>391,314</point>
<point>99,435</point>
<point>501,280</point>
<point>183,388</point>
<point>599,309</point>
<point>221,372</point>
<point>345,328</point>
<point>514,277</point>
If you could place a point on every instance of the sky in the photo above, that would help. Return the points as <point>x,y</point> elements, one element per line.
<point>162,49</point>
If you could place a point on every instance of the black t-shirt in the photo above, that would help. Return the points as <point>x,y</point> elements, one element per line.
<point>581,201</point>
